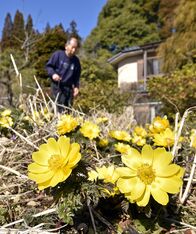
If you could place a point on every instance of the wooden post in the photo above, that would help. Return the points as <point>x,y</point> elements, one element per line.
<point>145,68</point>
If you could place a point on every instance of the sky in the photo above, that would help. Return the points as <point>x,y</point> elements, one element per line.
<point>83,12</point>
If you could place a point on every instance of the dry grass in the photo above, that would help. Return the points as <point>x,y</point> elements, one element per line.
<point>25,209</point>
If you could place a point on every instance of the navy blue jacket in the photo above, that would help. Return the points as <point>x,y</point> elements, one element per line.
<point>67,68</point>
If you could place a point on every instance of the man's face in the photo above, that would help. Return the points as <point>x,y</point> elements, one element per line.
<point>72,47</point>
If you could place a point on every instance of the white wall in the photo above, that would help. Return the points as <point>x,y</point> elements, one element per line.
<point>128,71</point>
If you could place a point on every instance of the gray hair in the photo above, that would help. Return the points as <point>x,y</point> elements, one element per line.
<point>71,38</point>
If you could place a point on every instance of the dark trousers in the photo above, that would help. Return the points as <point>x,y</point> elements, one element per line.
<point>63,96</point>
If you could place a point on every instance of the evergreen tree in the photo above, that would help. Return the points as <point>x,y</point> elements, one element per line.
<point>73,31</point>
<point>29,25</point>
<point>6,40</point>
<point>47,28</point>
<point>59,28</point>
<point>18,30</point>
<point>123,24</point>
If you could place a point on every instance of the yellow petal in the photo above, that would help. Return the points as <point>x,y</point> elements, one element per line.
<point>57,178</point>
<point>40,178</point>
<point>132,159</point>
<point>128,196</point>
<point>144,199</point>
<point>44,147</point>
<point>102,171</point>
<point>44,185</point>
<point>51,182</point>
<point>53,146</point>
<point>181,172</point>
<point>41,157</point>
<point>125,172</point>
<point>64,145</point>
<point>159,195</point>
<point>169,185</point>
<point>147,154</point>
<point>110,169</point>
<point>66,173</point>
<point>167,171</point>
<point>74,155</point>
<point>36,168</point>
<point>138,190</point>
<point>115,177</point>
<point>126,185</point>
<point>161,158</point>
<point>92,175</point>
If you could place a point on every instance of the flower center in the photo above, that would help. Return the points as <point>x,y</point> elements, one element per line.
<point>146,173</point>
<point>55,162</point>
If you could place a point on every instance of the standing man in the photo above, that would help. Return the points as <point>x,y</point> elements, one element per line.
<point>64,70</point>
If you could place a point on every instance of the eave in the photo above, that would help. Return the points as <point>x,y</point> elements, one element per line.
<point>133,51</point>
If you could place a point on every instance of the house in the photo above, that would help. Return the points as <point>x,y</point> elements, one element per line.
<point>135,65</point>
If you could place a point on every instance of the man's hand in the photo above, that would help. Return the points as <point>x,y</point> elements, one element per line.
<point>56,77</point>
<point>75,91</point>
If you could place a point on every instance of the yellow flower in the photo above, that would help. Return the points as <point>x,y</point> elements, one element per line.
<point>90,130</point>
<point>6,121</point>
<point>54,161</point>
<point>92,175</point>
<point>159,124</point>
<point>66,124</point>
<point>140,131</point>
<point>103,142</point>
<point>149,173</point>
<point>193,138</point>
<point>165,138</point>
<point>6,112</point>
<point>107,174</point>
<point>120,135</point>
<point>138,140</point>
<point>122,148</point>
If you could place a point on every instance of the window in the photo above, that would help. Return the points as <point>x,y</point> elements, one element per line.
<point>153,66</point>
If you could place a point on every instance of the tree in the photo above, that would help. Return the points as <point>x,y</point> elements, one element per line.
<point>47,28</point>
<point>18,30</point>
<point>123,24</point>
<point>6,92</point>
<point>177,91</point>
<point>166,15</point>
<point>19,42</point>
<point>6,40</point>
<point>73,31</point>
<point>180,48</point>
<point>29,25</point>
<point>47,43</point>
<point>29,39</point>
